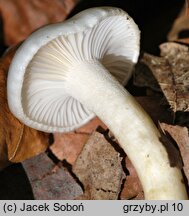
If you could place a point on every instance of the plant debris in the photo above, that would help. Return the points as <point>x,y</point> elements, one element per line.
<point>67,146</point>
<point>171,72</point>
<point>22,17</point>
<point>49,181</point>
<point>180,136</point>
<point>180,27</point>
<point>17,141</point>
<point>99,169</point>
<point>132,188</point>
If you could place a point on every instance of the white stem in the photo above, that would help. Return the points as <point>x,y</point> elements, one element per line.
<point>92,85</point>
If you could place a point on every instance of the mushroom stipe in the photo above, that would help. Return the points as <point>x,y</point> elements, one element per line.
<point>64,74</point>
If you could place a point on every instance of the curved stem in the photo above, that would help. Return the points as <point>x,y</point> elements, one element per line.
<point>92,85</point>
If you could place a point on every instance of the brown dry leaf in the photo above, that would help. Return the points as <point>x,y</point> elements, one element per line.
<point>151,103</point>
<point>171,70</point>
<point>181,137</point>
<point>17,141</point>
<point>180,27</point>
<point>187,7</point>
<point>67,146</point>
<point>49,181</point>
<point>99,169</point>
<point>132,187</point>
<point>174,156</point>
<point>143,77</point>
<point>22,17</point>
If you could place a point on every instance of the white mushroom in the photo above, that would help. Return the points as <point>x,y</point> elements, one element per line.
<point>64,74</point>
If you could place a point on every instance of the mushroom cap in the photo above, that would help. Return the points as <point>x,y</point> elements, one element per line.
<point>37,74</point>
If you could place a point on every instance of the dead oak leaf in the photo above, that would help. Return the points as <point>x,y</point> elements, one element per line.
<point>17,141</point>
<point>180,26</point>
<point>132,188</point>
<point>67,146</point>
<point>99,169</point>
<point>49,181</point>
<point>171,71</point>
<point>187,6</point>
<point>22,17</point>
<point>174,156</point>
<point>181,137</point>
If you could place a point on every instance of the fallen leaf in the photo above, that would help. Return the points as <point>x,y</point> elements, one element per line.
<point>143,77</point>
<point>187,6</point>
<point>179,31</point>
<point>50,182</point>
<point>151,103</point>
<point>67,146</point>
<point>99,169</point>
<point>173,153</point>
<point>132,188</point>
<point>180,27</point>
<point>181,137</point>
<point>17,141</point>
<point>171,71</point>
<point>22,17</point>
